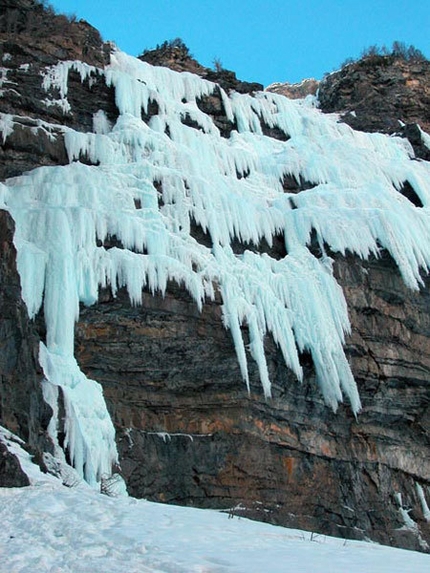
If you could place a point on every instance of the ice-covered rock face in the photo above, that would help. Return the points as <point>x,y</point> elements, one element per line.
<point>149,183</point>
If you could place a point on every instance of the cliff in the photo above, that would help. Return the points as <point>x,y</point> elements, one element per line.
<point>382,93</point>
<point>187,430</point>
<point>175,55</point>
<point>378,93</point>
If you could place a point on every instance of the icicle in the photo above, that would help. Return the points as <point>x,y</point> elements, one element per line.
<point>6,125</point>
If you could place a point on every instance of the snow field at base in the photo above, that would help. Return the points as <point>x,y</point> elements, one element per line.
<point>50,528</point>
<point>153,181</point>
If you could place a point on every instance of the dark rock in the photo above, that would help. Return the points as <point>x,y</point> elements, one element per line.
<point>291,185</point>
<point>411,195</point>
<point>38,132</point>
<point>381,93</point>
<point>11,473</point>
<point>228,81</point>
<point>175,55</point>
<point>28,24</point>
<point>414,134</point>
<point>31,145</point>
<point>213,106</point>
<point>22,408</point>
<point>274,132</point>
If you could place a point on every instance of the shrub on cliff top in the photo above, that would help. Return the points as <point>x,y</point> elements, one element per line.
<point>169,45</point>
<point>379,54</point>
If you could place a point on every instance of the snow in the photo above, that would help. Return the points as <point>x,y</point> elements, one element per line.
<point>15,446</point>
<point>150,182</point>
<point>50,528</point>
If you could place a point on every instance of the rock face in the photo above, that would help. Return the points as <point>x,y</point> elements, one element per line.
<point>11,474</point>
<point>381,90</point>
<point>295,91</point>
<point>187,430</point>
<point>189,433</point>
<point>384,93</point>
<point>32,38</point>
<point>381,93</point>
<point>31,28</point>
<point>22,409</point>
<point>175,55</point>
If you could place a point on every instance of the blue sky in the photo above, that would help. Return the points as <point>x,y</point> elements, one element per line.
<point>261,40</point>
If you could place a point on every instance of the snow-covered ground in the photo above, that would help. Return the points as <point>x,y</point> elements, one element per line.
<point>50,528</point>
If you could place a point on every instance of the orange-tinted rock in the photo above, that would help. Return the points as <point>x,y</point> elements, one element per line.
<point>295,91</point>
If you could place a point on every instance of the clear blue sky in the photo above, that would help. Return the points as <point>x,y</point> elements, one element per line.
<point>261,40</point>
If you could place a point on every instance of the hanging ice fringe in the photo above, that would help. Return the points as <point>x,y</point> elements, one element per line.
<point>233,189</point>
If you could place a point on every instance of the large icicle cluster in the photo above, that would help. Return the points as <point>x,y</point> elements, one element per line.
<point>153,181</point>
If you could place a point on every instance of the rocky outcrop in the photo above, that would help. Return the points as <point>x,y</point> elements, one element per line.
<point>384,93</point>
<point>31,27</point>
<point>176,56</point>
<point>295,91</point>
<point>37,39</point>
<point>22,408</point>
<point>381,93</point>
<point>188,432</point>
<point>11,474</point>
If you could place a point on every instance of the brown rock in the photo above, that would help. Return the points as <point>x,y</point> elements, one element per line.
<point>43,39</point>
<point>176,56</point>
<point>381,93</point>
<point>22,409</point>
<point>29,25</point>
<point>295,91</point>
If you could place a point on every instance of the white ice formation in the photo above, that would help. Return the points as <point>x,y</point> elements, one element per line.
<point>150,182</point>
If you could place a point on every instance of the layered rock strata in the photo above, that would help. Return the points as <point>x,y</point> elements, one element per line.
<point>189,433</point>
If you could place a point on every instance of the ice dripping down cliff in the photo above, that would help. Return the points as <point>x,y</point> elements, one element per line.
<point>145,184</point>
